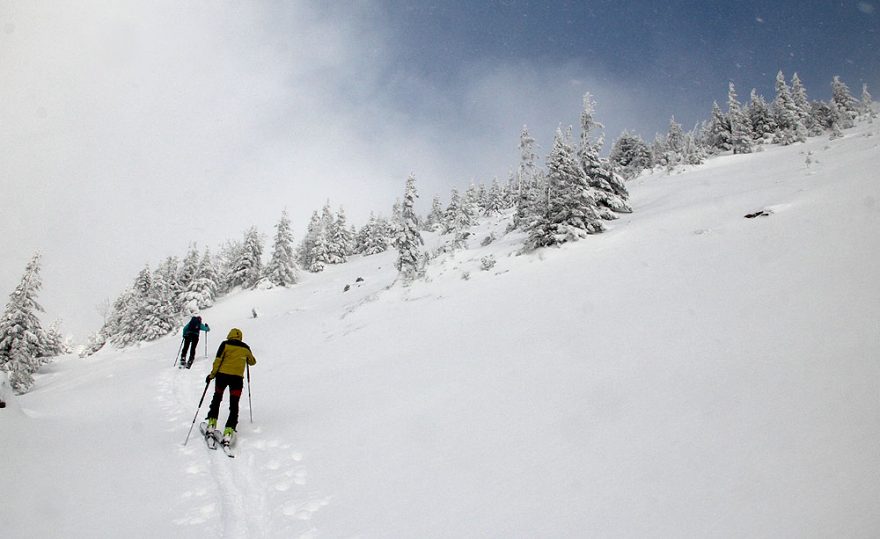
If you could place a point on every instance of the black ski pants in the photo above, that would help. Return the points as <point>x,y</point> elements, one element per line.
<point>235,384</point>
<point>190,342</point>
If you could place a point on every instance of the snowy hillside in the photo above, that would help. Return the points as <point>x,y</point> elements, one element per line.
<point>689,373</point>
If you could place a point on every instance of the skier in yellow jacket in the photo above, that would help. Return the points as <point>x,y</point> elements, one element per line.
<point>232,357</point>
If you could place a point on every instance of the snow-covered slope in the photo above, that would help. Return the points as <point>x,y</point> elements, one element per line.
<point>690,372</point>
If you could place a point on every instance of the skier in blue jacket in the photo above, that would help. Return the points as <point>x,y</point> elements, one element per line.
<point>191,332</point>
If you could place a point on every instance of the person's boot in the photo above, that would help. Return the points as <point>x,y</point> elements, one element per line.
<point>228,433</point>
<point>212,426</point>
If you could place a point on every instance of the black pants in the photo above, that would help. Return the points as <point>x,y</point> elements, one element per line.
<point>235,383</point>
<point>190,342</point>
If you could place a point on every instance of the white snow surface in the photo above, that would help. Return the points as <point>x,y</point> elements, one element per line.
<point>689,373</point>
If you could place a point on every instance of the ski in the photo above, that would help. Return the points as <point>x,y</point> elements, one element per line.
<point>227,448</point>
<point>210,439</point>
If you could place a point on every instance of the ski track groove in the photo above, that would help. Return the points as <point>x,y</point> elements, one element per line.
<point>259,493</point>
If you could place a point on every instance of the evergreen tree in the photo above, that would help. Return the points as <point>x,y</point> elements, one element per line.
<point>374,236</point>
<point>630,155</point>
<point>56,343</point>
<point>339,240</point>
<point>789,128</point>
<point>22,339</point>
<point>675,143</point>
<point>802,106</point>
<point>740,126</point>
<point>304,255</point>
<point>526,180</point>
<point>409,260</point>
<point>158,314</point>
<point>571,211</point>
<point>248,268</point>
<point>434,221</point>
<point>867,104</point>
<point>282,269</point>
<point>608,189</point>
<point>760,117</point>
<point>188,270</point>
<point>846,103</point>
<point>494,199</point>
<point>719,129</point>
<point>202,289</point>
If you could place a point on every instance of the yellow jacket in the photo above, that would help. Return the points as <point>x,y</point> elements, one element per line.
<point>232,356</point>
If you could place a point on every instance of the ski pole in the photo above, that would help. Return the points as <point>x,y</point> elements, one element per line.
<point>205,392</point>
<point>177,357</point>
<point>250,406</point>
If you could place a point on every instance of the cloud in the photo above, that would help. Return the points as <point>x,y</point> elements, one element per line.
<point>130,129</point>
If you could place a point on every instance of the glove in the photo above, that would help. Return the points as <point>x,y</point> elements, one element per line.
<point>208,379</point>
<point>207,327</point>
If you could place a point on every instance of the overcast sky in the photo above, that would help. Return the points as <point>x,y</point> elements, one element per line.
<point>130,129</point>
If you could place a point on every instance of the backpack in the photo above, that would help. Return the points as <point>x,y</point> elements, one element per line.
<point>194,325</point>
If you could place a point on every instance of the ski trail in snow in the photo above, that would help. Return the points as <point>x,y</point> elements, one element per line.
<point>260,493</point>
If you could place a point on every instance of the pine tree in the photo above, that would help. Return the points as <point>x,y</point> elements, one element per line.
<point>762,122</point>
<point>740,127</point>
<point>304,253</point>
<point>571,211</point>
<point>434,221</point>
<point>867,104</point>
<point>339,240</point>
<point>789,128</point>
<point>22,339</point>
<point>159,315</point>
<point>675,142</point>
<point>409,260</point>
<point>630,154</point>
<point>374,236</point>
<point>202,289</point>
<point>188,268</point>
<point>719,129</point>
<point>608,189</point>
<point>248,268</point>
<point>282,269</point>
<point>802,105</point>
<point>526,180</point>
<point>494,199</point>
<point>846,103</point>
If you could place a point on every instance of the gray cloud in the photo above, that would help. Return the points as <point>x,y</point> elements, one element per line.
<point>128,130</point>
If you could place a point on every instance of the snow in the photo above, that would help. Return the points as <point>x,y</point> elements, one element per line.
<point>689,372</point>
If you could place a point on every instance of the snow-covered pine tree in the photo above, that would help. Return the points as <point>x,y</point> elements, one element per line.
<point>56,343</point>
<point>374,236</point>
<point>846,103</point>
<point>320,254</point>
<point>159,316</point>
<point>282,269</point>
<point>674,155</point>
<point>740,127</point>
<point>188,268</point>
<point>609,191</point>
<point>527,175</point>
<point>169,271</point>
<point>838,118</point>
<point>866,107</point>
<point>760,117</point>
<point>248,268</point>
<point>434,220</point>
<point>802,105</point>
<point>789,128</point>
<point>494,198</point>
<point>571,212</point>
<point>630,155</point>
<point>409,259</point>
<point>339,240</point>
<point>202,289</point>
<point>719,128</point>
<point>22,339</point>
<point>304,253</point>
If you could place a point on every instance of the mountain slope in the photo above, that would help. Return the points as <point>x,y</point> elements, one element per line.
<point>690,372</point>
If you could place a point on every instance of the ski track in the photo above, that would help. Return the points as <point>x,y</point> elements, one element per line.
<point>259,493</point>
